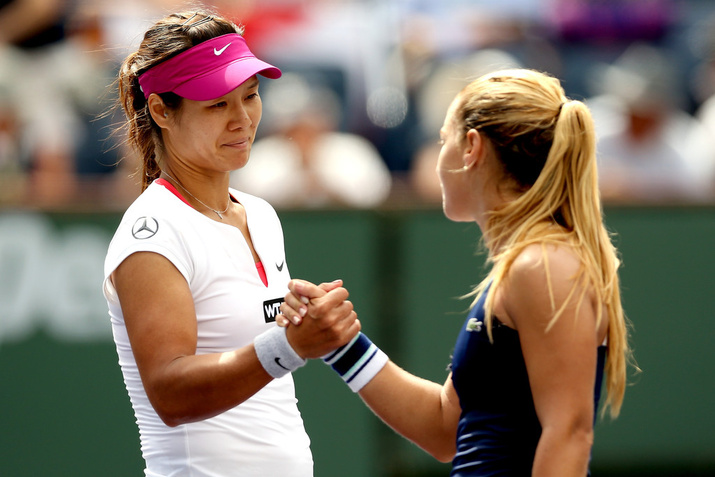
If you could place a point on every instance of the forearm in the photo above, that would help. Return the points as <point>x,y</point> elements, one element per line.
<point>393,394</point>
<point>398,397</point>
<point>196,387</point>
<point>564,453</point>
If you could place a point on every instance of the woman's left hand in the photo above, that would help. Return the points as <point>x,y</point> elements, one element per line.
<point>331,322</point>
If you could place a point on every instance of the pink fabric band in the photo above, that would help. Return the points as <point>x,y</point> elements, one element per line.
<point>208,70</point>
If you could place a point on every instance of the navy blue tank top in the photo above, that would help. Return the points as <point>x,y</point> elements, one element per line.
<point>498,429</point>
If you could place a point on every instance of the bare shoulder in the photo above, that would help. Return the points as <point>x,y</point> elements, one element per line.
<point>540,280</point>
<point>559,260</point>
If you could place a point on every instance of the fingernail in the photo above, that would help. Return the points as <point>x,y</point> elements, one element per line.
<point>305,300</point>
<point>296,320</point>
<point>302,310</point>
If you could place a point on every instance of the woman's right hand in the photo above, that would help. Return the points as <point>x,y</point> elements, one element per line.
<point>324,318</point>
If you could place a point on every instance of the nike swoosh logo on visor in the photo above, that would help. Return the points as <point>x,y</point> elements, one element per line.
<point>218,52</point>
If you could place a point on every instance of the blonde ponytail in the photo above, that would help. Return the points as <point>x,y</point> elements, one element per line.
<point>531,123</point>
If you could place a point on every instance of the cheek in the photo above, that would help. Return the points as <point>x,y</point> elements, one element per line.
<point>445,168</point>
<point>256,114</point>
<point>197,141</point>
<point>190,134</point>
<point>455,197</point>
<point>441,168</point>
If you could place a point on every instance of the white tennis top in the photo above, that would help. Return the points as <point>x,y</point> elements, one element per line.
<point>263,436</point>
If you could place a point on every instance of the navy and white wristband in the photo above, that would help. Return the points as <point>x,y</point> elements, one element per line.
<point>275,353</point>
<point>357,362</point>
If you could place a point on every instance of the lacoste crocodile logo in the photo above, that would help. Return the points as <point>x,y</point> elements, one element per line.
<point>474,325</point>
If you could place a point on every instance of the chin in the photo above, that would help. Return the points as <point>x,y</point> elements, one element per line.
<point>455,215</point>
<point>448,212</point>
<point>239,162</point>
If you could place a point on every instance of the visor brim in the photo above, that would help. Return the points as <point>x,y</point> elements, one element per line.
<point>223,80</point>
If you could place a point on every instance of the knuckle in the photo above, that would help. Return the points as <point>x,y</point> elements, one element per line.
<point>317,307</point>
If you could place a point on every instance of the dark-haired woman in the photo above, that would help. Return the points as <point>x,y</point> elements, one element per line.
<point>196,271</point>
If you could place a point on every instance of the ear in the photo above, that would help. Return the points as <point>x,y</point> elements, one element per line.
<point>474,148</point>
<point>158,110</point>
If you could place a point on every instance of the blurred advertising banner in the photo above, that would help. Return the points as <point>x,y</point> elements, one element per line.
<point>51,278</point>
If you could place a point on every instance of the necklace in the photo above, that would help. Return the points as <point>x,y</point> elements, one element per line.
<point>217,212</point>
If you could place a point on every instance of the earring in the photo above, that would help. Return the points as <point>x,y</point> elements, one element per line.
<point>166,115</point>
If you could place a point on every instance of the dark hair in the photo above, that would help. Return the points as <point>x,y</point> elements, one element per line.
<point>165,39</point>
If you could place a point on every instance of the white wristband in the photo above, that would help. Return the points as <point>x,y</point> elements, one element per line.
<point>275,353</point>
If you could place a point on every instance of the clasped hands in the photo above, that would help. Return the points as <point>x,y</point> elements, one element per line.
<point>318,318</point>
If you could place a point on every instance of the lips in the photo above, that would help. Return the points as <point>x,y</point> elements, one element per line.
<point>239,142</point>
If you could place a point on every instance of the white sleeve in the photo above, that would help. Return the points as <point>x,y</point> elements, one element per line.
<point>146,233</point>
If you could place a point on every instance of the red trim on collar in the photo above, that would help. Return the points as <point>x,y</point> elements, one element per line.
<point>172,189</point>
<point>163,182</point>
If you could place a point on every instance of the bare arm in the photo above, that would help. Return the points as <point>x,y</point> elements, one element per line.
<point>394,395</point>
<point>161,323</point>
<point>561,362</point>
<point>424,412</point>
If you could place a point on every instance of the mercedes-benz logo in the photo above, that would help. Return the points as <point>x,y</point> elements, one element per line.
<point>145,227</point>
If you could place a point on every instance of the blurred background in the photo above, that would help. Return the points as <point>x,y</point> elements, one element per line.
<point>354,124</point>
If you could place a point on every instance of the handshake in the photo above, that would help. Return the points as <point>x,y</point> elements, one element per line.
<point>318,321</point>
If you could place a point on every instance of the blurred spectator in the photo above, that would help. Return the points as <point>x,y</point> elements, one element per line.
<point>591,31</point>
<point>700,41</point>
<point>386,60</point>
<point>107,31</point>
<point>706,170</point>
<point>11,175</point>
<point>265,19</point>
<point>307,161</point>
<point>649,148</point>
<point>605,21</point>
<point>44,77</point>
<point>703,41</point>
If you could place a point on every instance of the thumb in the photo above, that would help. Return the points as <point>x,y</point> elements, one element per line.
<point>305,289</point>
<point>326,287</point>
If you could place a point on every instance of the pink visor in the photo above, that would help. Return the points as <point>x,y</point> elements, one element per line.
<point>207,71</point>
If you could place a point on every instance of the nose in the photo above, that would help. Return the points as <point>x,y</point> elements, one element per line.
<point>240,118</point>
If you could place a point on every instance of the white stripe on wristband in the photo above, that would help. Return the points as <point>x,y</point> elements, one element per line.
<point>275,353</point>
<point>357,362</point>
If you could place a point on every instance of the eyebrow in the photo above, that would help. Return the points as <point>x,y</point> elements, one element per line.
<point>254,84</point>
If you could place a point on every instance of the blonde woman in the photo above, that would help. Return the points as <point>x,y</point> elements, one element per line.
<point>519,159</point>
